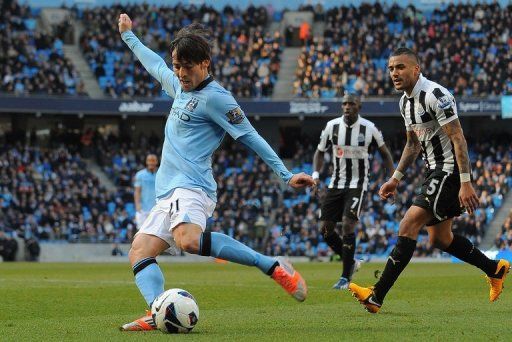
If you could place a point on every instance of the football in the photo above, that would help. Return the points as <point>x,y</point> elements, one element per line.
<point>175,311</point>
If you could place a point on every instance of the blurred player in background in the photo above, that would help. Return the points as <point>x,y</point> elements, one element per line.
<point>201,114</point>
<point>144,185</point>
<point>349,138</point>
<point>433,128</point>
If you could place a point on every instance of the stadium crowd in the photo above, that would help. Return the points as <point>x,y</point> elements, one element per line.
<point>465,47</point>
<point>462,46</point>
<point>49,194</point>
<point>246,58</point>
<point>32,61</point>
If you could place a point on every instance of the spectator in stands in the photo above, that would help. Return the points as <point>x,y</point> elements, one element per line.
<point>504,239</point>
<point>304,32</point>
<point>32,249</point>
<point>116,251</point>
<point>8,247</point>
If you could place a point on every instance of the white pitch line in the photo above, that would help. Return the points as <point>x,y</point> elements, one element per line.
<point>126,282</point>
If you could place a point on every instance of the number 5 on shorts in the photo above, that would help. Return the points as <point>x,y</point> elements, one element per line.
<point>432,186</point>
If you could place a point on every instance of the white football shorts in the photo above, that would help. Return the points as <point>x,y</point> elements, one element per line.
<point>182,206</point>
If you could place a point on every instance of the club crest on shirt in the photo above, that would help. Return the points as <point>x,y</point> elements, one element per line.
<point>360,137</point>
<point>444,102</point>
<point>192,104</point>
<point>235,116</point>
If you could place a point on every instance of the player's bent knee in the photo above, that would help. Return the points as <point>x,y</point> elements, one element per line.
<point>440,242</point>
<point>327,227</point>
<point>137,252</point>
<point>190,246</point>
<point>349,225</point>
<point>145,246</point>
<point>434,242</point>
<point>187,237</point>
<point>415,218</point>
<point>409,229</point>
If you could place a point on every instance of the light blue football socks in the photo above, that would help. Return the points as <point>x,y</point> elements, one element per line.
<point>224,247</point>
<point>149,279</point>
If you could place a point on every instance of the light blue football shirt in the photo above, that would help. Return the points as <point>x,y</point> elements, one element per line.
<point>146,181</point>
<point>195,127</point>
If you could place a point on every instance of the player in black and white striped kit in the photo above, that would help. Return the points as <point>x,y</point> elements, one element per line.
<point>433,128</point>
<point>349,138</point>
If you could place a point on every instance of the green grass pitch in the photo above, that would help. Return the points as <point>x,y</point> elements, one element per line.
<point>87,302</point>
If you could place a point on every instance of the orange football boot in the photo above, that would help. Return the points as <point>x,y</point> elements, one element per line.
<point>145,323</point>
<point>497,280</point>
<point>290,280</point>
<point>366,297</point>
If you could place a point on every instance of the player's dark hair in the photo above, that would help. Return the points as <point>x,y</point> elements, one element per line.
<point>406,51</point>
<point>192,44</point>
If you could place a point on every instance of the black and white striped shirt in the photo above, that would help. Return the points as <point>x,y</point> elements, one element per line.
<point>430,107</point>
<point>350,151</point>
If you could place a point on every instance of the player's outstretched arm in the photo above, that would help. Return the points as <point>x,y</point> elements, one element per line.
<point>256,143</point>
<point>225,111</point>
<point>151,61</point>
<point>467,195</point>
<point>137,198</point>
<point>410,153</point>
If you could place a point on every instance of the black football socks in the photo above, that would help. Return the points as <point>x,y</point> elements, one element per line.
<point>464,250</point>
<point>397,261</point>
<point>334,241</point>
<point>349,249</point>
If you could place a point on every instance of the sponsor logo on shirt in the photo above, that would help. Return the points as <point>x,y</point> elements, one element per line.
<point>351,152</point>
<point>423,132</point>
<point>235,116</point>
<point>177,114</point>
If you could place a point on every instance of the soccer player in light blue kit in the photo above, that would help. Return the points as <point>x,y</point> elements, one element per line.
<point>201,114</point>
<point>144,195</point>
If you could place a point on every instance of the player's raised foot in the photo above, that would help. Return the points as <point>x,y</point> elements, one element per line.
<point>497,280</point>
<point>366,297</point>
<point>145,323</point>
<point>290,280</point>
<point>342,283</point>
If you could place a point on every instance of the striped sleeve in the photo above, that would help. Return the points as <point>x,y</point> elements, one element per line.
<point>377,136</point>
<point>443,105</point>
<point>323,145</point>
<point>402,112</point>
